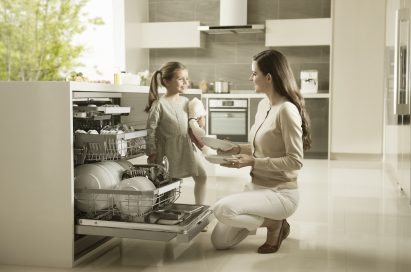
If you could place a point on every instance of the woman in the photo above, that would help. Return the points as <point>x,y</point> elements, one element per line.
<point>278,137</point>
<point>167,125</point>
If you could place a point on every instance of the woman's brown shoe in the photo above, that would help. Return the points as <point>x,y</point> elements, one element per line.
<point>284,232</point>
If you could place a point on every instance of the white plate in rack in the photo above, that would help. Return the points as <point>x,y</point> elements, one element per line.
<point>92,176</point>
<point>214,143</point>
<point>135,205</point>
<point>219,159</point>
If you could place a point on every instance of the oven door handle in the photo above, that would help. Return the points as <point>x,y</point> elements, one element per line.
<point>237,110</point>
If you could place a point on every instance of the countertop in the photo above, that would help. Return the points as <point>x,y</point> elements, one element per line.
<point>85,86</point>
<point>233,95</point>
<point>253,94</point>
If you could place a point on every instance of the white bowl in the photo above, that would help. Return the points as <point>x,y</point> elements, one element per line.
<point>218,159</point>
<point>115,170</point>
<point>92,176</point>
<point>217,143</point>
<point>135,205</point>
<point>125,164</point>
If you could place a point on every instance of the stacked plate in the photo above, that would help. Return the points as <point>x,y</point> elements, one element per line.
<point>214,143</point>
<point>218,145</point>
<point>135,204</point>
<point>101,175</point>
<point>219,159</point>
<point>92,176</point>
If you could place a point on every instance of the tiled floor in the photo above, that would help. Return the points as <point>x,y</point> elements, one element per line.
<point>351,217</point>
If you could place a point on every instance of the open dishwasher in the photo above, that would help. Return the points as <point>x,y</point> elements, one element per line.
<point>150,214</point>
<point>138,200</point>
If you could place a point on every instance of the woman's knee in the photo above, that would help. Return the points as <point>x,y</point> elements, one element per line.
<point>218,242</point>
<point>219,237</point>
<point>223,211</point>
<point>225,237</point>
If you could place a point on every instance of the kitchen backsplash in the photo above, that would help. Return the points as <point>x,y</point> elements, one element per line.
<point>228,56</point>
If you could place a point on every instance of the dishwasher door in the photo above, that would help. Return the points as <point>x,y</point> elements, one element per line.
<point>164,221</point>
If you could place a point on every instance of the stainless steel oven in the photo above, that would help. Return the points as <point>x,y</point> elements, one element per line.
<point>228,119</point>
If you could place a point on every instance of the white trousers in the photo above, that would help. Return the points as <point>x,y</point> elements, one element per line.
<point>241,213</point>
<point>200,181</point>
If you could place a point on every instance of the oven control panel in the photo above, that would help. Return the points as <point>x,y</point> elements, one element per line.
<point>227,103</point>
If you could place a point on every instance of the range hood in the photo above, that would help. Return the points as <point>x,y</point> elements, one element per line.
<point>236,29</point>
<point>233,19</point>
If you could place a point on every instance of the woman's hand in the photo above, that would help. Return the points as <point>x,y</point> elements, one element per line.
<point>239,161</point>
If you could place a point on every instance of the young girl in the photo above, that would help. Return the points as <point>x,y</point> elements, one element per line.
<point>167,126</point>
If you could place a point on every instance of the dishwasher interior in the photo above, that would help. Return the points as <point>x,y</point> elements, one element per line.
<point>114,197</point>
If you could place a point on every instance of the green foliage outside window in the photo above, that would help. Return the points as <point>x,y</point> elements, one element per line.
<point>36,38</point>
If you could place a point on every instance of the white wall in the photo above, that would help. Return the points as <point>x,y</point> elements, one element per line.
<point>357,84</point>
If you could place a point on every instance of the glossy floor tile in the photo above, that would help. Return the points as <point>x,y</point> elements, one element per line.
<point>352,217</point>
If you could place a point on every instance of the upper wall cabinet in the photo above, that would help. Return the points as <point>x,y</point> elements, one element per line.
<point>298,32</point>
<point>171,35</point>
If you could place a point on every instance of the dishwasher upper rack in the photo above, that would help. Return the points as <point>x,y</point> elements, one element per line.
<point>125,205</point>
<point>101,147</point>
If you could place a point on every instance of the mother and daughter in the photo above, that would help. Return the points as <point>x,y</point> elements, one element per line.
<point>278,137</point>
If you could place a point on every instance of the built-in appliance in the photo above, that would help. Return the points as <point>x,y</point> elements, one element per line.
<point>101,134</point>
<point>309,81</point>
<point>228,119</point>
<point>58,129</point>
<point>233,19</point>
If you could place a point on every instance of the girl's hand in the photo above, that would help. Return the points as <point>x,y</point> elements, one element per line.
<point>201,121</point>
<point>239,161</point>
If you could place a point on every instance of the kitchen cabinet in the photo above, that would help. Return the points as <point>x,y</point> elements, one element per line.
<point>397,128</point>
<point>308,32</point>
<point>37,179</point>
<point>358,59</point>
<point>298,32</point>
<point>171,35</point>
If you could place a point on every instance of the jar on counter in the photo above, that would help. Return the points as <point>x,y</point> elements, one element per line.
<point>203,85</point>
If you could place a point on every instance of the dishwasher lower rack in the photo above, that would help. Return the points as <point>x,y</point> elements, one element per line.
<point>153,215</point>
<point>125,205</point>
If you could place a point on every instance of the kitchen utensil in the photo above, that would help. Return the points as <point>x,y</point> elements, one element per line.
<point>221,86</point>
<point>165,164</point>
<point>217,143</point>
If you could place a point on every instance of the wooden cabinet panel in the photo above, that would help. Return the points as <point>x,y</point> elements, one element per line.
<point>298,32</point>
<point>171,35</point>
